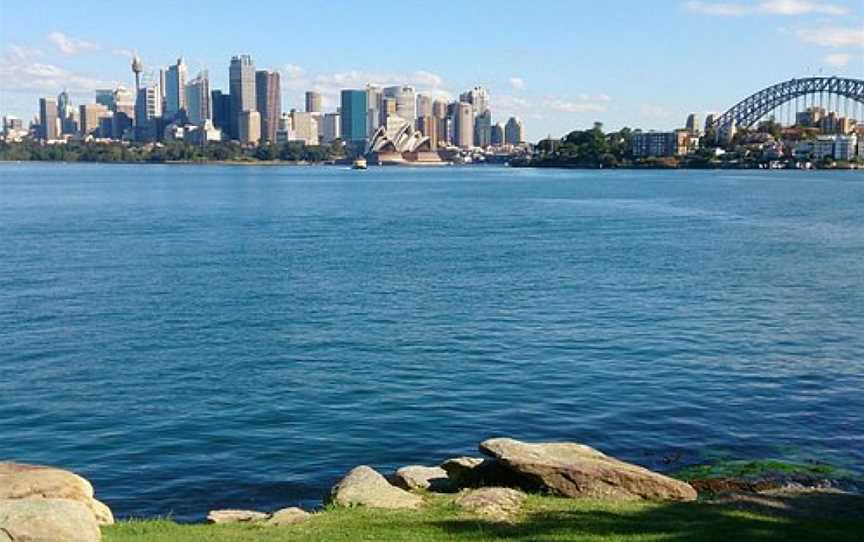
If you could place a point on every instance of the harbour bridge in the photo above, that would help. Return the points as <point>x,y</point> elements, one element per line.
<point>838,94</point>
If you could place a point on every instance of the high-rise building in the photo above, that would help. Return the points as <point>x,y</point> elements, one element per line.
<point>304,127</point>
<point>241,78</point>
<point>89,115</point>
<point>514,131</point>
<point>221,107</point>
<point>478,97</point>
<point>709,121</point>
<point>66,114</point>
<point>197,92</point>
<point>249,127</point>
<point>48,121</point>
<point>483,129</point>
<point>105,96</point>
<point>331,128</point>
<point>464,125</point>
<point>388,110</point>
<point>175,89</point>
<point>374,105</point>
<point>406,101</point>
<point>353,116</point>
<point>148,108</point>
<point>428,126</point>
<point>268,102</point>
<point>496,137</point>
<point>313,101</point>
<point>424,106</point>
<point>692,124</point>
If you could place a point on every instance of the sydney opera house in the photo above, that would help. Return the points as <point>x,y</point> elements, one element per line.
<point>398,143</point>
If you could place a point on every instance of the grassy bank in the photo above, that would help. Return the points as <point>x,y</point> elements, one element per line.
<point>543,519</point>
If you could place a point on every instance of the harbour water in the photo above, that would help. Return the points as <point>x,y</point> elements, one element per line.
<point>192,337</point>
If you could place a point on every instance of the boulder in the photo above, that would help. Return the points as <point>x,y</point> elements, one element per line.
<point>577,470</point>
<point>463,472</point>
<point>364,486</point>
<point>236,516</point>
<point>288,516</point>
<point>495,503</point>
<point>416,477</point>
<point>21,481</point>
<point>47,520</point>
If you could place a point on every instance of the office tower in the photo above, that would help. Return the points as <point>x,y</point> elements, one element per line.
<point>105,96</point>
<point>496,138</point>
<point>353,116</point>
<point>483,129</point>
<point>198,107</point>
<point>478,97</point>
<point>692,124</point>
<point>268,102</point>
<point>220,105</point>
<point>374,105</point>
<point>48,121</point>
<point>241,77</point>
<point>388,110</point>
<point>65,113</point>
<point>175,89</point>
<point>123,97</point>
<point>304,127</point>
<point>428,126</point>
<point>424,106</point>
<point>148,108</point>
<point>162,89</point>
<point>249,126</point>
<point>464,125</point>
<point>514,132</point>
<point>331,128</point>
<point>89,115</point>
<point>313,101</point>
<point>406,101</point>
<point>709,121</point>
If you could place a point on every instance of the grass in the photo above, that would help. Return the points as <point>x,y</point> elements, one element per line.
<point>543,519</point>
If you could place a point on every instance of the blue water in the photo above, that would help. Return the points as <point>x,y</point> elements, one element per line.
<point>200,337</point>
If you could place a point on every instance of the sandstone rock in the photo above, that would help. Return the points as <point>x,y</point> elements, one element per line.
<point>465,472</point>
<point>416,477</point>
<point>101,512</point>
<point>576,470</point>
<point>47,520</point>
<point>288,516</point>
<point>236,516</point>
<point>364,486</point>
<point>496,503</point>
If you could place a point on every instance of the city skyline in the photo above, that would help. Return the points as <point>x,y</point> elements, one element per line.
<point>554,86</point>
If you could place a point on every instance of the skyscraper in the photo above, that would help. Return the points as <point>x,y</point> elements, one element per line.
<point>514,131</point>
<point>424,106</point>
<point>89,116</point>
<point>220,104</point>
<point>198,107</point>
<point>48,122</point>
<point>269,102</point>
<point>313,101</point>
<point>241,78</point>
<point>374,104</point>
<point>175,89</point>
<point>464,129</point>
<point>497,135</point>
<point>65,113</point>
<point>428,126</point>
<point>692,125</point>
<point>249,125</point>
<point>148,107</point>
<point>331,127</point>
<point>406,101</point>
<point>478,97</point>
<point>483,129</point>
<point>353,116</point>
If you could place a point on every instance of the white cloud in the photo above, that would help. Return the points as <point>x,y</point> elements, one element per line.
<point>832,36</point>
<point>766,7</point>
<point>128,53</point>
<point>22,70</point>
<point>650,111</point>
<point>517,83</point>
<point>506,105</point>
<point>69,45</point>
<point>838,60</point>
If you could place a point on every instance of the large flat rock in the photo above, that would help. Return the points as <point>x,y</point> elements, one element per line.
<point>364,486</point>
<point>576,470</point>
<point>47,520</point>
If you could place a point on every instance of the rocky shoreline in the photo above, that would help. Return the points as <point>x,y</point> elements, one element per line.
<point>48,504</point>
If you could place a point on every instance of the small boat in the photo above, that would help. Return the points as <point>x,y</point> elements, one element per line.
<point>359,163</point>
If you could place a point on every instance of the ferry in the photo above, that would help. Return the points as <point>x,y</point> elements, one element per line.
<point>359,163</point>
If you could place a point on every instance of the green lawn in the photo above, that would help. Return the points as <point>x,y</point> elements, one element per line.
<point>543,519</point>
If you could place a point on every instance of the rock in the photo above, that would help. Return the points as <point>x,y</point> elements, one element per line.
<point>236,516</point>
<point>416,477</point>
<point>47,520</point>
<point>288,516</point>
<point>577,470</point>
<point>364,486</point>
<point>21,481</point>
<point>496,503</point>
<point>465,472</point>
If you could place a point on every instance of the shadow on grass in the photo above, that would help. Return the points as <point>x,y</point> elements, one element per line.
<point>822,517</point>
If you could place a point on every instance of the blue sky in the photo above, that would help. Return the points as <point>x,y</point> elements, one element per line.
<point>559,65</point>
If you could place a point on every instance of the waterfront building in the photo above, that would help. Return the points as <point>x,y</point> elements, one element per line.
<point>313,101</point>
<point>331,128</point>
<point>220,104</point>
<point>496,137</point>
<point>388,109</point>
<point>692,124</point>
<point>89,115</point>
<point>122,122</point>
<point>406,101</point>
<point>249,127</point>
<point>398,143</point>
<point>653,144</point>
<point>268,102</point>
<point>514,131</point>
<point>241,80</point>
<point>66,114</point>
<point>284,128</point>
<point>845,147</point>
<point>424,106</point>
<point>49,124</point>
<point>709,121</point>
<point>197,93</point>
<point>13,129</point>
<point>354,116</point>
<point>811,117</point>
<point>428,126</point>
<point>202,134</point>
<point>464,126</point>
<point>374,106</point>
<point>175,89</point>
<point>149,103</point>
<point>483,129</point>
<point>304,127</point>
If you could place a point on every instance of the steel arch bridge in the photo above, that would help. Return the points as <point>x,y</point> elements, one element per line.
<point>747,112</point>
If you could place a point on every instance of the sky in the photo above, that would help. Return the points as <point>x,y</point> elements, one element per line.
<point>557,65</point>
